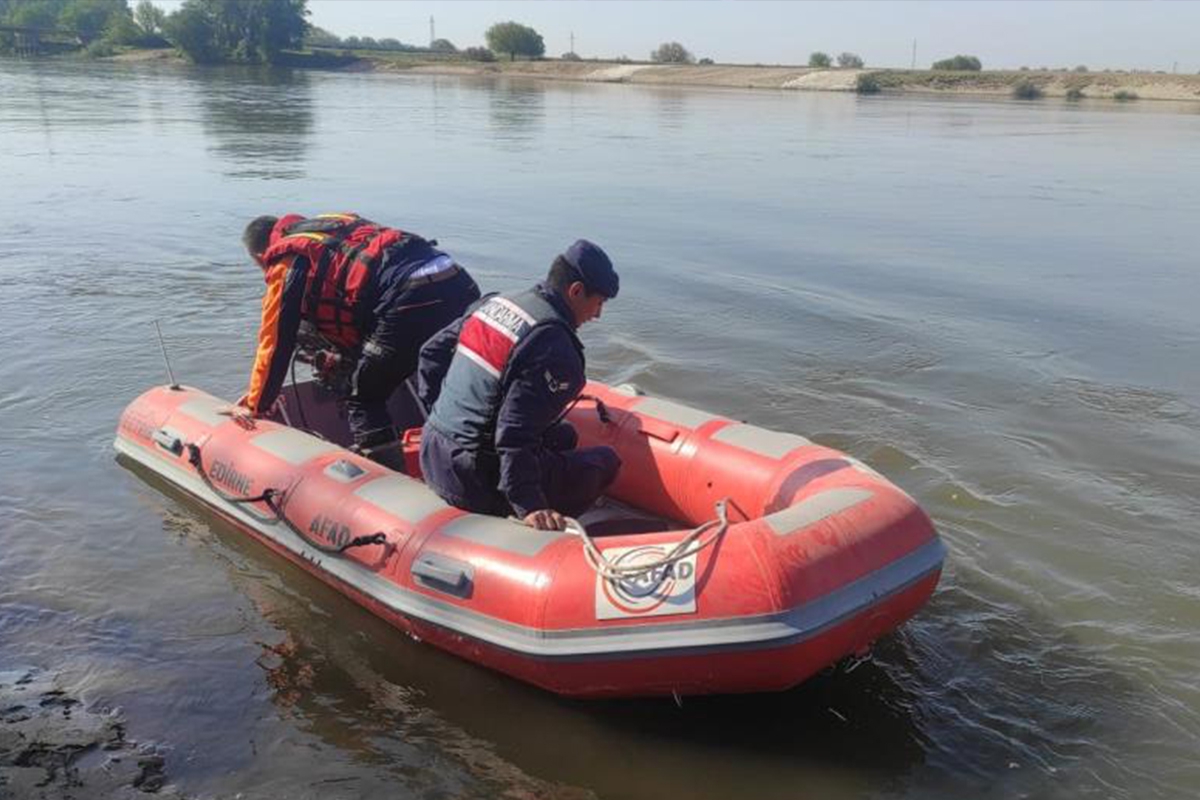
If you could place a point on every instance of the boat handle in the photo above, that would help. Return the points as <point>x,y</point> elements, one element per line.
<point>663,431</point>
<point>168,440</point>
<point>444,574</point>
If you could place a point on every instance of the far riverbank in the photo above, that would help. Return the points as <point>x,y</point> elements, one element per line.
<point>995,83</point>
<point>1099,85</point>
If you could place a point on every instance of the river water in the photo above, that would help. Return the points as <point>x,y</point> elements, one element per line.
<point>992,302</point>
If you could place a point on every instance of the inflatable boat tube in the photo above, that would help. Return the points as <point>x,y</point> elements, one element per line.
<point>820,555</point>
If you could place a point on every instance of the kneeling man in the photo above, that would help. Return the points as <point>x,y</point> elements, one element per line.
<point>498,384</point>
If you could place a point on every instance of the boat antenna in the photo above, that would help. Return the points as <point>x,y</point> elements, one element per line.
<point>170,374</point>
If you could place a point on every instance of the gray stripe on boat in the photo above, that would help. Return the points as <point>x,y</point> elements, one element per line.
<point>771,444</point>
<point>813,509</point>
<point>410,500</point>
<point>502,534</point>
<point>294,447</point>
<point>610,642</point>
<point>204,409</point>
<point>674,413</point>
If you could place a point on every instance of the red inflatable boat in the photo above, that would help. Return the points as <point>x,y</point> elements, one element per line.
<point>726,558</point>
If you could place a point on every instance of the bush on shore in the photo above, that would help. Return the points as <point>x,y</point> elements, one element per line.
<point>479,54</point>
<point>1125,95</point>
<point>959,64</point>
<point>867,83</point>
<point>101,48</point>
<point>1026,90</point>
<point>1075,93</point>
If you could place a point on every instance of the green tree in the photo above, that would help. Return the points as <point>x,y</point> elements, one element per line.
<point>819,59</point>
<point>35,14</point>
<point>959,64</point>
<point>443,46</point>
<point>850,61</point>
<point>515,39</point>
<point>192,31</point>
<point>238,30</point>
<point>149,17</point>
<point>671,53</point>
<point>122,30</point>
<point>90,17</point>
<point>319,37</point>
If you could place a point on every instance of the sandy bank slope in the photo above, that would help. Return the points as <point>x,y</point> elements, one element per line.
<point>1147,86</point>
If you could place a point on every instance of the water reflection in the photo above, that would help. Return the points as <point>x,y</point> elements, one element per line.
<point>516,111</point>
<point>259,120</point>
<point>671,108</point>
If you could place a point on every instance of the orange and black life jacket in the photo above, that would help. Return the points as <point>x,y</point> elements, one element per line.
<point>344,252</point>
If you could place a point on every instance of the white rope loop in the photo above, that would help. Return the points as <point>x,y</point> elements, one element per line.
<point>691,544</point>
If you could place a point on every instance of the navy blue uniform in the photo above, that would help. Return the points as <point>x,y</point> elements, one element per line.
<point>509,452</point>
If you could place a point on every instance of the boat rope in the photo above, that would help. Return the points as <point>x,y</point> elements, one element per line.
<point>197,461</point>
<point>274,499</point>
<point>601,410</point>
<point>698,539</point>
<point>379,537</point>
<point>296,395</point>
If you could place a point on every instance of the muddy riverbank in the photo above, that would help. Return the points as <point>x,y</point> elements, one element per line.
<point>53,747</point>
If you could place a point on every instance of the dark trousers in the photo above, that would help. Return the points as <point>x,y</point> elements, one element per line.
<point>572,479</point>
<point>390,352</point>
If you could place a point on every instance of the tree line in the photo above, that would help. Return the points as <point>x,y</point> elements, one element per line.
<point>259,31</point>
<point>255,31</point>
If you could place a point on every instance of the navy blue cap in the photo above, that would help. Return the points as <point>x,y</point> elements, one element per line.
<point>594,268</point>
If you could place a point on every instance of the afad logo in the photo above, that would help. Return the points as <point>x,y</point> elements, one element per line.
<point>669,589</point>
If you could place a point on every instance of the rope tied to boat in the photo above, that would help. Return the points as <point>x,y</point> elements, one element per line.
<point>274,498</point>
<point>699,538</point>
<point>197,461</point>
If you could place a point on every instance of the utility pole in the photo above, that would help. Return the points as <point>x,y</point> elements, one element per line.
<point>1175,68</point>
<point>572,41</point>
<point>914,61</point>
<point>432,36</point>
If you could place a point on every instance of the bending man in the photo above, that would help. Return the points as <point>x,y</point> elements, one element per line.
<point>498,383</point>
<point>371,293</point>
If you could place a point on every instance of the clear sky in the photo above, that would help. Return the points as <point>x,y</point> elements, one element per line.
<point>1129,34</point>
